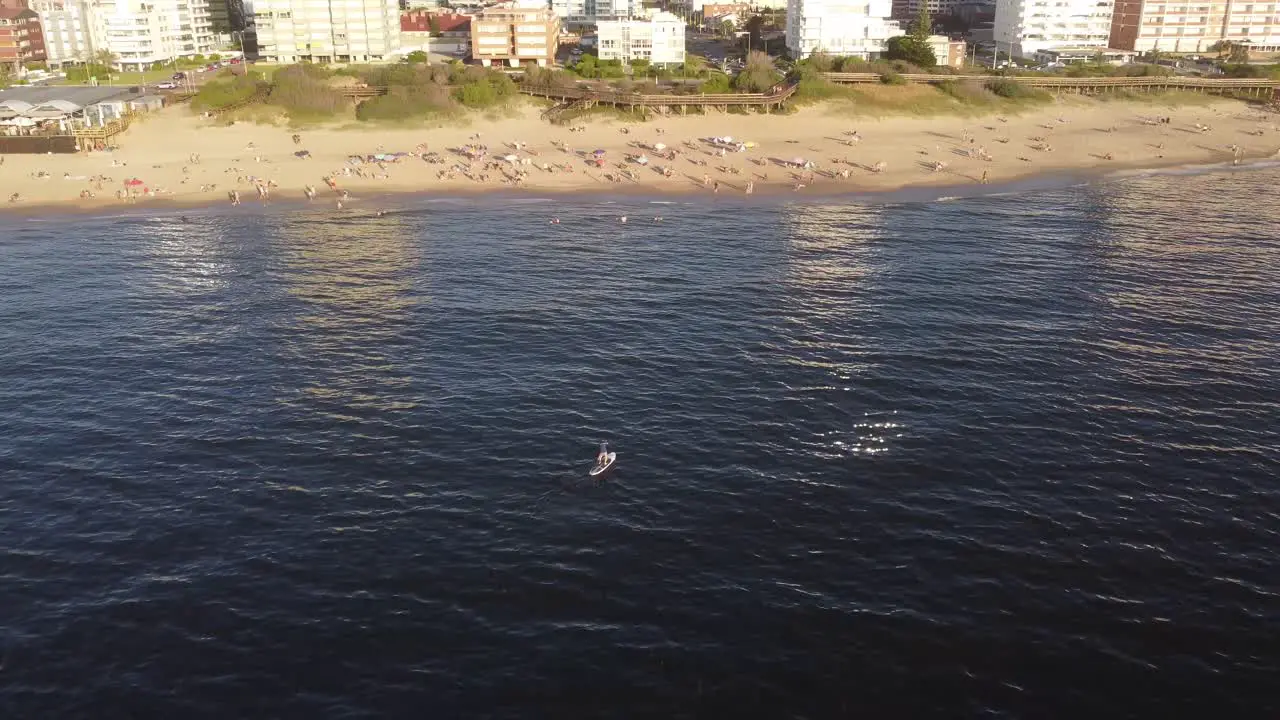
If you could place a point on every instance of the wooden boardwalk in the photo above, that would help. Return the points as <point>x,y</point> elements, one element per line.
<point>1258,87</point>
<point>569,98</point>
<point>87,138</point>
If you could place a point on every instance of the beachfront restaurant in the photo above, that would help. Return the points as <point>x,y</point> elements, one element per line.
<point>65,108</point>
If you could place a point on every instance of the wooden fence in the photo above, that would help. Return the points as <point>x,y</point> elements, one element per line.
<point>589,97</point>
<point>576,97</point>
<point>87,138</point>
<point>1259,87</point>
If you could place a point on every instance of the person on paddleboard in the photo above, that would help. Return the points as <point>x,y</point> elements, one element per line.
<point>603,457</point>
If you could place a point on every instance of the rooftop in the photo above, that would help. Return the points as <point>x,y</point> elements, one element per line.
<point>77,94</point>
<point>419,21</point>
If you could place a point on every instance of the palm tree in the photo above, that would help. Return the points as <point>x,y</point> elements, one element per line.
<point>106,59</point>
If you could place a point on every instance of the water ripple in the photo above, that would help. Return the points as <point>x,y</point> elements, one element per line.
<point>978,458</point>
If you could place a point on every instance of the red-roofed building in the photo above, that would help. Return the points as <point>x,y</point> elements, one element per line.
<point>434,32</point>
<point>447,25</point>
<point>21,39</point>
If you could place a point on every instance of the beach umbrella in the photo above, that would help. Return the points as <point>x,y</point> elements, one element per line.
<point>598,153</point>
<point>133,182</point>
<point>659,147</point>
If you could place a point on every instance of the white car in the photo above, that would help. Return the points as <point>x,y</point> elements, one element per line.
<point>166,86</point>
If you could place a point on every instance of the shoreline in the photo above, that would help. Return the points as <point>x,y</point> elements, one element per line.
<point>1068,142</point>
<point>386,198</point>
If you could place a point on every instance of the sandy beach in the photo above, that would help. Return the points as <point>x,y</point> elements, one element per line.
<point>175,157</point>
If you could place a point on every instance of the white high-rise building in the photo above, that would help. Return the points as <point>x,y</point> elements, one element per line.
<point>839,27</point>
<point>323,31</point>
<point>657,37</point>
<point>1025,26</point>
<point>592,12</point>
<point>73,30</point>
<point>145,33</point>
<point>1143,25</point>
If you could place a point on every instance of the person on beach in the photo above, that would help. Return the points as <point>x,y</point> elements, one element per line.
<point>235,197</point>
<point>984,177</point>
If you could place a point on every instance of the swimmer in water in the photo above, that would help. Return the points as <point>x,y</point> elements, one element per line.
<point>623,219</point>
<point>554,221</point>
<point>657,218</point>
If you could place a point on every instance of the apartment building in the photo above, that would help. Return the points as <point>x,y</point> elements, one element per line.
<point>577,13</point>
<point>839,27</point>
<point>73,31</point>
<point>910,9</point>
<point>1142,25</point>
<point>657,37</point>
<point>1024,27</point>
<point>515,35</point>
<point>290,31</point>
<point>145,33</point>
<point>21,40</point>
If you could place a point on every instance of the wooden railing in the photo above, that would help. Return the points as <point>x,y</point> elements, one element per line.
<point>606,97</point>
<point>1170,82</point>
<point>256,97</point>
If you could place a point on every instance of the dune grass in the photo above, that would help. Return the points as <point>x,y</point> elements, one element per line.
<point>959,98</point>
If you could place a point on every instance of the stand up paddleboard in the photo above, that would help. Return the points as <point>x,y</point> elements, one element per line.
<point>600,470</point>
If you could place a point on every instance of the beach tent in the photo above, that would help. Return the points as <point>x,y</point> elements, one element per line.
<point>598,153</point>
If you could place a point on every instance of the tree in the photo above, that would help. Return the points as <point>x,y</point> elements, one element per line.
<point>726,28</point>
<point>694,66</point>
<point>923,26</point>
<point>417,57</point>
<point>106,58</point>
<point>755,32</point>
<point>433,25</point>
<point>1232,52</point>
<point>820,61</point>
<point>912,49</point>
<point>758,73</point>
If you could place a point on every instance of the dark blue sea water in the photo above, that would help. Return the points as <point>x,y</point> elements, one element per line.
<point>1008,457</point>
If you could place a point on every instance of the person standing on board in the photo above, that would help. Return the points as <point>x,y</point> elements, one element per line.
<point>603,456</point>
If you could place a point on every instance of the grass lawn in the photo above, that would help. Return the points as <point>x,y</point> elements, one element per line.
<point>148,77</point>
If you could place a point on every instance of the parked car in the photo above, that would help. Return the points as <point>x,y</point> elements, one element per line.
<point>179,76</point>
<point>166,85</point>
<point>235,61</point>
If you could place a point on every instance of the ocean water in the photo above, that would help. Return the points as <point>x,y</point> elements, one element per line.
<point>1010,456</point>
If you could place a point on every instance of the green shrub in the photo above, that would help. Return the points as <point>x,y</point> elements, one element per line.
<point>225,92</point>
<point>402,103</point>
<point>303,92</point>
<point>717,84</point>
<point>889,77</point>
<point>477,95</point>
<point>1009,89</point>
